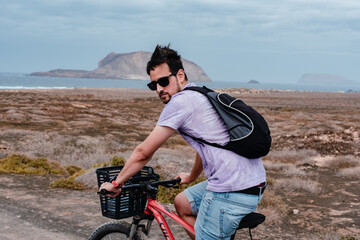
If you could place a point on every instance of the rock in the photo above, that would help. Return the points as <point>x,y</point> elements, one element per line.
<point>2,155</point>
<point>88,179</point>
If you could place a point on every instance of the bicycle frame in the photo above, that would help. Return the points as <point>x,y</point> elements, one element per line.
<point>156,209</point>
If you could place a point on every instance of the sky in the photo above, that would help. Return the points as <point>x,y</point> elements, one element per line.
<point>232,40</point>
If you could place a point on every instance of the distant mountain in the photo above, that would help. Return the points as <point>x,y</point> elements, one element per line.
<point>125,66</point>
<point>324,79</point>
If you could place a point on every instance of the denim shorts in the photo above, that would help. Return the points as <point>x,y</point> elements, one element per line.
<point>218,214</point>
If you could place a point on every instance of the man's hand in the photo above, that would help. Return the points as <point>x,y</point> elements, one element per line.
<point>110,188</point>
<point>185,178</point>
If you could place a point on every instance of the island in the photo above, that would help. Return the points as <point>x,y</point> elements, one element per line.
<point>253,82</point>
<point>320,79</point>
<point>130,66</point>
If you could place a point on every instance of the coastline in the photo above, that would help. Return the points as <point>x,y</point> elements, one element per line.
<point>21,81</point>
<point>240,90</point>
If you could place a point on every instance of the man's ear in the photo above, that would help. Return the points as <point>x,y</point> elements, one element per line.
<point>181,75</point>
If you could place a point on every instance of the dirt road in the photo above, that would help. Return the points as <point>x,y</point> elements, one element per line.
<point>30,210</point>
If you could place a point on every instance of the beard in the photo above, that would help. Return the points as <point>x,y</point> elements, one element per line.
<point>165,97</point>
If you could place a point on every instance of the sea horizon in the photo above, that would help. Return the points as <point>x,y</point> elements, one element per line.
<point>17,81</point>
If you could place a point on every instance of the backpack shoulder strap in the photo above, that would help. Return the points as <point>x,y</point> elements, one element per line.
<point>202,141</point>
<point>204,90</point>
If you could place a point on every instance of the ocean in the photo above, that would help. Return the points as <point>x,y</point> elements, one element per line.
<point>24,81</point>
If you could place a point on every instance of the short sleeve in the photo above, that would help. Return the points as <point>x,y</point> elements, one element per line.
<point>177,113</point>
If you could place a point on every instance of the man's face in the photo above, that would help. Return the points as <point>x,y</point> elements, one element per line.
<point>176,83</point>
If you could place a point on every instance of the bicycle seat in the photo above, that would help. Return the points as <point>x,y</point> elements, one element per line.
<point>251,220</point>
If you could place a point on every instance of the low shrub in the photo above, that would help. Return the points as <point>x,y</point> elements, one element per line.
<point>117,161</point>
<point>296,183</point>
<point>285,168</point>
<point>75,171</point>
<point>69,182</point>
<point>349,237</point>
<point>21,164</point>
<point>167,195</point>
<point>350,172</point>
<point>341,162</point>
<point>72,169</point>
<point>291,156</point>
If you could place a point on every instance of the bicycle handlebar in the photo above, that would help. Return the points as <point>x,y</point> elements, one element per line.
<point>146,185</point>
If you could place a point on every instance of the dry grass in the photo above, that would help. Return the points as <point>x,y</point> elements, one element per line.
<point>289,162</point>
<point>284,168</point>
<point>350,172</point>
<point>297,184</point>
<point>272,201</point>
<point>291,156</point>
<point>347,166</point>
<point>83,151</point>
<point>341,162</point>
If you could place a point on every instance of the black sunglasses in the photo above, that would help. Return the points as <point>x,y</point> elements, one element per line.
<point>163,81</point>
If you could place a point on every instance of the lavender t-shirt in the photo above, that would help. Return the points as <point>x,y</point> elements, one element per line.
<point>191,112</point>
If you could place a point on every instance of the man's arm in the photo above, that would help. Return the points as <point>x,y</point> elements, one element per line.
<point>140,156</point>
<point>187,178</point>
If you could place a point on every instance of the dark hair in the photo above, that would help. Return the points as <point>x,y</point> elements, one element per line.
<point>164,54</point>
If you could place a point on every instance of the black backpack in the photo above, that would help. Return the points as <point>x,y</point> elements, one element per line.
<point>248,130</point>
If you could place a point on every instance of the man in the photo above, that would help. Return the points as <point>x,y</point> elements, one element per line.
<point>235,184</point>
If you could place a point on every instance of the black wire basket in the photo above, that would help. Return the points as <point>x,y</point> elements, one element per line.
<point>128,203</point>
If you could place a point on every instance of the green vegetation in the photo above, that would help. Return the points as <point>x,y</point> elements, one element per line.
<point>21,164</point>
<point>72,169</point>
<point>167,195</point>
<point>117,161</point>
<point>69,182</point>
<point>348,237</point>
<point>75,171</point>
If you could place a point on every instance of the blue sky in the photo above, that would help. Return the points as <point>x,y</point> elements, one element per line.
<point>269,41</point>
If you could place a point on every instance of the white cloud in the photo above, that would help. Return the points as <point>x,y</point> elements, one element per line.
<point>201,17</point>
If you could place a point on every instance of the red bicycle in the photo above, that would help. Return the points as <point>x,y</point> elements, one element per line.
<point>138,200</point>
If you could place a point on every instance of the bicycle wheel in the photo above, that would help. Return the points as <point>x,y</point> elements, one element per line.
<point>115,230</point>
